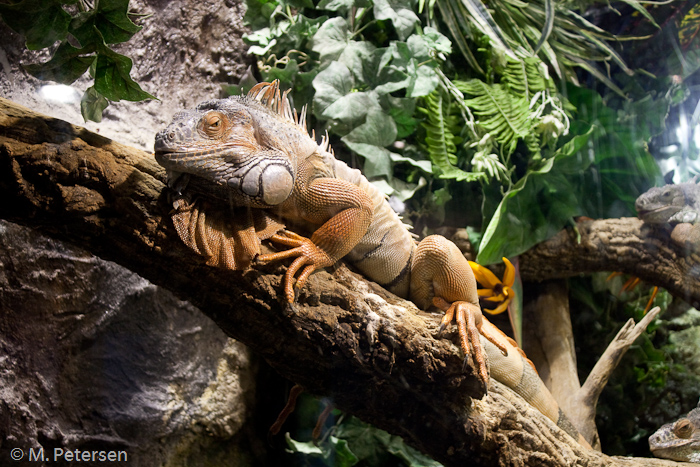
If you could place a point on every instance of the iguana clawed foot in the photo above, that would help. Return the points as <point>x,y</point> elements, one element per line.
<point>469,324</point>
<point>307,256</point>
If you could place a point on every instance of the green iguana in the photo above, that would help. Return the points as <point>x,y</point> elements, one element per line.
<point>678,205</point>
<point>679,440</point>
<point>255,152</point>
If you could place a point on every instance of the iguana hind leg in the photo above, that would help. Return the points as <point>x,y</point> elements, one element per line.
<point>441,276</point>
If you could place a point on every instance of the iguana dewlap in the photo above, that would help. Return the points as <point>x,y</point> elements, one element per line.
<point>677,205</point>
<point>679,440</point>
<point>254,152</point>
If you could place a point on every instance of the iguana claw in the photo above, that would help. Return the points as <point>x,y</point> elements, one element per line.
<point>308,258</point>
<point>469,325</point>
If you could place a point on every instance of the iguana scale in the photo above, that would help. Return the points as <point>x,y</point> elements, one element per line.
<point>255,152</point>
<point>679,440</point>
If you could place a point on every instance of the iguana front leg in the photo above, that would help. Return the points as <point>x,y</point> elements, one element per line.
<point>441,275</point>
<point>344,212</point>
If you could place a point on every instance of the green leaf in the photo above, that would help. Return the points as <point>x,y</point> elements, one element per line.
<point>386,70</point>
<point>331,39</point>
<point>436,41</point>
<point>377,159</point>
<point>369,139</point>
<point>482,19</point>
<point>502,114</point>
<point>109,18</point>
<point>342,5</point>
<point>341,455</point>
<point>67,64</point>
<point>354,106</point>
<point>641,10</point>
<point>422,79</point>
<point>400,13</point>
<point>447,12</point>
<point>41,22</point>
<point>402,110</point>
<point>525,76</point>
<point>357,56</point>
<point>411,456</point>
<point>518,222</point>
<point>368,443</point>
<point>286,74</point>
<point>548,24</point>
<point>112,78</point>
<point>304,448</point>
<point>260,13</point>
<point>330,85</point>
<point>113,22</point>
<point>440,127</point>
<point>298,4</point>
<point>538,206</point>
<point>425,166</point>
<point>92,105</point>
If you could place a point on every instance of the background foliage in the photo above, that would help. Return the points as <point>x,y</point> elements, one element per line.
<point>382,77</point>
<point>84,32</point>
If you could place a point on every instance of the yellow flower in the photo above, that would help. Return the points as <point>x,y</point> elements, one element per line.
<point>496,291</point>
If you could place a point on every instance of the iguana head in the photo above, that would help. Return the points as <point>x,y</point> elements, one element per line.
<point>659,204</point>
<point>679,440</point>
<point>228,142</point>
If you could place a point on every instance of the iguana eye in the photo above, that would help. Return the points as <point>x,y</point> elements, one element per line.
<point>683,428</point>
<point>213,124</point>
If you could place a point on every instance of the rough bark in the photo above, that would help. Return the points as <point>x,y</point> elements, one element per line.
<point>374,355</point>
<point>549,343</point>
<point>626,245</point>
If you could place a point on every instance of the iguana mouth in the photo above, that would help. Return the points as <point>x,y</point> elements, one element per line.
<point>662,209</point>
<point>671,448</point>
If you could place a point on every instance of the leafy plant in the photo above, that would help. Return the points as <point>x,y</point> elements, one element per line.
<point>92,27</point>
<point>440,125</point>
<point>385,85</point>
<point>553,31</point>
<point>354,442</point>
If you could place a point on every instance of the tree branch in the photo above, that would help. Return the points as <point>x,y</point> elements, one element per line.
<point>626,245</point>
<point>373,354</point>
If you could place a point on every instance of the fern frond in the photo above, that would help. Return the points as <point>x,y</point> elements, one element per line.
<point>502,114</point>
<point>526,77</point>
<point>440,126</point>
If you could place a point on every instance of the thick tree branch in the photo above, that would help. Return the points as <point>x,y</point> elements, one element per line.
<point>374,355</point>
<point>626,245</point>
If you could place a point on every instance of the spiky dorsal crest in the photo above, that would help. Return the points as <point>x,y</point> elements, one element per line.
<point>268,94</point>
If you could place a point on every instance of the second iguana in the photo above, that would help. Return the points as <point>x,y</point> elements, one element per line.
<point>676,205</point>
